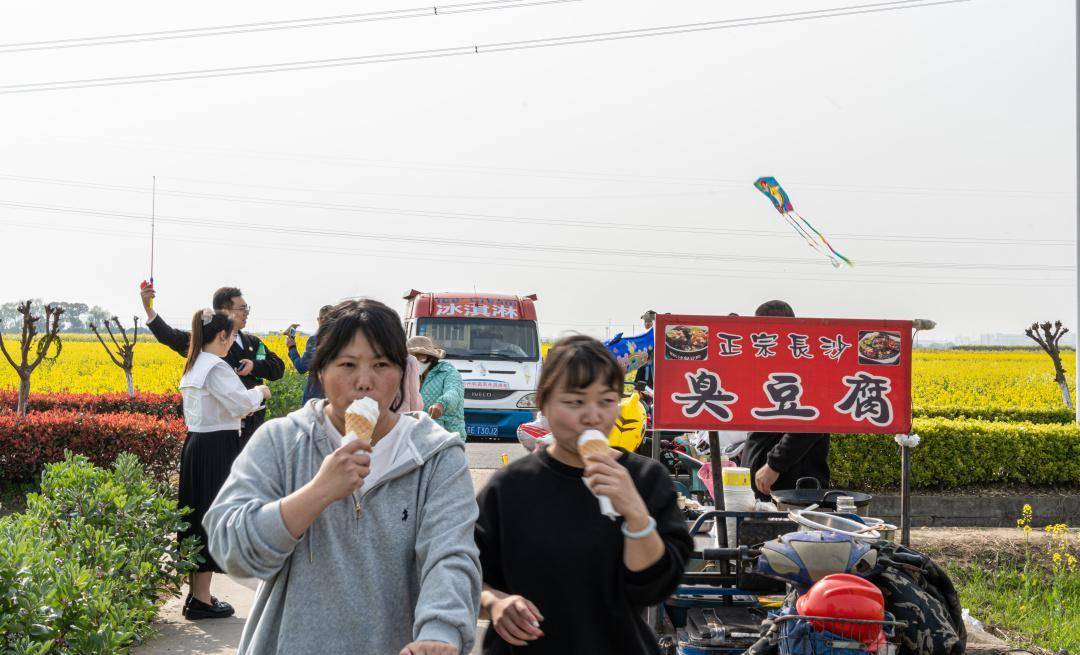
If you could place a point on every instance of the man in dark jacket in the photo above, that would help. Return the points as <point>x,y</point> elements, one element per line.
<point>645,373</point>
<point>251,359</point>
<point>778,459</point>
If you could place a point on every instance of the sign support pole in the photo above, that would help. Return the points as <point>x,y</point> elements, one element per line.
<point>654,432</point>
<point>905,495</point>
<point>717,463</point>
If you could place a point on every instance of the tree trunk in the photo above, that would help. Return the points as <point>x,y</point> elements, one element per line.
<point>130,383</point>
<point>1059,377</point>
<point>1064,386</point>
<point>24,393</point>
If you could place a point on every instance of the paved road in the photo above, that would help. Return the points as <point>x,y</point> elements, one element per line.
<point>488,455</point>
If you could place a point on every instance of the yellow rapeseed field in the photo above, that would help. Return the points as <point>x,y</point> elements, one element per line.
<point>998,378</point>
<point>83,367</point>
<point>1009,378</point>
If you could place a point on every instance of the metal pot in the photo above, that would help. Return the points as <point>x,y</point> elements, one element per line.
<point>805,495</point>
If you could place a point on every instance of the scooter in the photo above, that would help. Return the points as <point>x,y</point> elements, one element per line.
<point>718,608</point>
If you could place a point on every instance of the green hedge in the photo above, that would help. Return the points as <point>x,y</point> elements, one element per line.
<point>1003,414</point>
<point>84,568</point>
<point>959,453</point>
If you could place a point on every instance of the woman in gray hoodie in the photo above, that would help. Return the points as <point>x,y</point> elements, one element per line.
<point>360,549</point>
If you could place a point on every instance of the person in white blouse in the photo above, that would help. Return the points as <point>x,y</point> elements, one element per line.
<point>215,402</point>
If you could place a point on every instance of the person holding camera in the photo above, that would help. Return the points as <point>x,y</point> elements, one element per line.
<point>247,355</point>
<point>302,363</point>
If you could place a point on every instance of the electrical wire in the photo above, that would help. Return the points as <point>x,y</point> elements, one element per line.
<point>455,51</point>
<point>267,26</point>
<point>681,272</point>
<point>660,226</point>
<point>709,183</point>
<point>690,257</point>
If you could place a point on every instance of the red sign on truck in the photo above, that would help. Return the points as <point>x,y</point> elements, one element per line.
<point>782,374</point>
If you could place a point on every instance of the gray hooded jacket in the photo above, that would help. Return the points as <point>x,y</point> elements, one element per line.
<point>406,568</point>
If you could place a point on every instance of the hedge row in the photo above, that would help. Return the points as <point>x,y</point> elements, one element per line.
<point>30,442</point>
<point>959,453</point>
<point>84,569</point>
<point>154,404</point>
<point>1002,414</point>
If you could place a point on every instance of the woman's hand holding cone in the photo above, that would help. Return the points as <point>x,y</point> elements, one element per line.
<point>607,477</point>
<point>343,471</point>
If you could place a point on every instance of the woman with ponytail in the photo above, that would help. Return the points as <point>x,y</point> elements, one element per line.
<point>215,401</point>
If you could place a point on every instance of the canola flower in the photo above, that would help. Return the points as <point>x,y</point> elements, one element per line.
<point>939,378</point>
<point>83,367</point>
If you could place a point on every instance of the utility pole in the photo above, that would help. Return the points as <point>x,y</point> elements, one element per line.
<point>1077,222</point>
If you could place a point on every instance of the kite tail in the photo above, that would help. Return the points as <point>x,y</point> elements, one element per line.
<point>811,241</point>
<point>834,252</point>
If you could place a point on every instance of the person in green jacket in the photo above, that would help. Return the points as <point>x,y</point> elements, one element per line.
<point>440,385</point>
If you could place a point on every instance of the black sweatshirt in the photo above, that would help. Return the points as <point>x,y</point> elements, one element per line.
<point>541,535</point>
<point>793,456</point>
<point>270,368</point>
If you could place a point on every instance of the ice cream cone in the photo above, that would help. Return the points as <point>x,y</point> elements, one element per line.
<point>359,426</point>
<point>593,447</point>
<point>360,420</point>
<point>593,442</point>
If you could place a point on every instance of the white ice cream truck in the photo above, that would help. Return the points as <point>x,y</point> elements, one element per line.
<point>494,343</point>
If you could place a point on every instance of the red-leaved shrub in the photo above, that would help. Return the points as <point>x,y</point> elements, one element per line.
<point>155,404</point>
<point>28,443</point>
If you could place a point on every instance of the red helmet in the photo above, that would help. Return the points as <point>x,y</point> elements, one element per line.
<point>845,596</point>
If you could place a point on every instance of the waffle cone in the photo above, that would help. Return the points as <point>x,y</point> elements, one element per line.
<point>593,447</point>
<point>358,425</point>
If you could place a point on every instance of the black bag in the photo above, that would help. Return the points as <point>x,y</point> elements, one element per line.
<point>920,593</point>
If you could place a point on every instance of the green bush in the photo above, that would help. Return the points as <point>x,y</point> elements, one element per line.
<point>957,453</point>
<point>1003,414</point>
<point>84,568</point>
<point>285,394</point>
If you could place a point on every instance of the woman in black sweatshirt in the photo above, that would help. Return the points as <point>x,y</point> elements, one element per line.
<point>559,576</point>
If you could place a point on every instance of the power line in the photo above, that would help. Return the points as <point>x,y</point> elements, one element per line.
<point>680,272</point>
<point>267,26</point>
<point>530,246</point>
<point>572,175</point>
<point>511,219</point>
<point>434,53</point>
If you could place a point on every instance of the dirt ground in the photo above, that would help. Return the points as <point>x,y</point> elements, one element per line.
<point>990,546</point>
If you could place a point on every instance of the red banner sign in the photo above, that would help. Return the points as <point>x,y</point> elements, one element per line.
<point>477,308</point>
<point>782,374</point>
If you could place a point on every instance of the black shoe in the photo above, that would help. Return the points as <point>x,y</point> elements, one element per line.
<point>195,609</point>
<point>187,601</point>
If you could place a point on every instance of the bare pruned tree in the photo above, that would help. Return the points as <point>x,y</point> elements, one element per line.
<point>124,355</point>
<point>1048,336</point>
<point>33,346</point>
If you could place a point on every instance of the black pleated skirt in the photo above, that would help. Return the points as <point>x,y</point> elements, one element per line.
<point>205,463</point>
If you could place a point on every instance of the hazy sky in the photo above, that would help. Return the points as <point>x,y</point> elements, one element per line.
<point>934,146</point>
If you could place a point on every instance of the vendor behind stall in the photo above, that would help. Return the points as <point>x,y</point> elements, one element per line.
<point>778,459</point>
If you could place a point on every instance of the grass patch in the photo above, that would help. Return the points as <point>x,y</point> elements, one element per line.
<point>1029,606</point>
<point>1031,603</point>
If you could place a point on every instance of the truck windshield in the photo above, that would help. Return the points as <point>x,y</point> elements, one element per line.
<point>493,339</point>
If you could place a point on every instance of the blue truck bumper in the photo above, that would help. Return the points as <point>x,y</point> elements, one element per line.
<point>501,424</point>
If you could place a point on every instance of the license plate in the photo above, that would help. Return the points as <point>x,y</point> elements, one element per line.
<point>482,430</point>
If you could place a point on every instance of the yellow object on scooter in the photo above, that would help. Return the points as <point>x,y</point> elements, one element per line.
<point>629,428</point>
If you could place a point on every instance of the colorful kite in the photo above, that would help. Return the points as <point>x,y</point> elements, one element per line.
<point>774,192</point>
